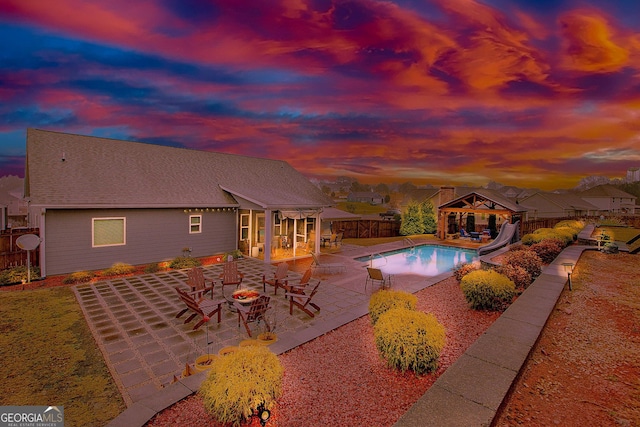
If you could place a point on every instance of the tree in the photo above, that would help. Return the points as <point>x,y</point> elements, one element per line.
<point>406,187</point>
<point>412,220</point>
<point>429,223</point>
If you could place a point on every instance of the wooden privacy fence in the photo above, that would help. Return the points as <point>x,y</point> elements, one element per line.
<point>11,255</point>
<point>367,228</point>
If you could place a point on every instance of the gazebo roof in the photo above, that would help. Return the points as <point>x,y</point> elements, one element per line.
<point>482,200</point>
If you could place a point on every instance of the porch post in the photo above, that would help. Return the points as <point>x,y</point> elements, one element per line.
<point>268,219</point>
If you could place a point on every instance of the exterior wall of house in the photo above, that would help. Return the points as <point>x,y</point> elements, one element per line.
<point>152,235</point>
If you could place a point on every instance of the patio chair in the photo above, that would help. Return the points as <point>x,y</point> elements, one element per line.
<point>230,275</point>
<point>301,285</point>
<point>375,275</point>
<point>253,313</point>
<point>328,267</point>
<point>279,279</point>
<point>336,239</point>
<point>464,234</point>
<point>301,300</point>
<point>198,284</point>
<point>201,307</point>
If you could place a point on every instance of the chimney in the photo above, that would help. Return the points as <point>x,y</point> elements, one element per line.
<point>447,194</point>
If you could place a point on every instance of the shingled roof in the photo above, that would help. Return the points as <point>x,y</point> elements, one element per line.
<point>76,171</point>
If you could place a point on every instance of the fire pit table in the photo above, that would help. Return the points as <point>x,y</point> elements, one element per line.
<point>243,296</point>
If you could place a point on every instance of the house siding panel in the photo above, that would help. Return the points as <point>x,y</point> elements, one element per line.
<point>152,235</point>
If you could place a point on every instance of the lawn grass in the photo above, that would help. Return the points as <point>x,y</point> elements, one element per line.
<point>49,357</point>
<point>621,234</point>
<point>361,208</point>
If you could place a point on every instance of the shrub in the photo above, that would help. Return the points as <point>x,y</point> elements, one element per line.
<point>409,339</point>
<point>516,247</point>
<point>152,268</point>
<point>241,382</point>
<point>547,249</point>
<point>487,290</point>
<point>564,234</point>
<point>571,223</point>
<point>386,299</point>
<point>181,262</point>
<point>528,260</point>
<point>462,269</point>
<point>518,275</point>
<point>18,274</point>
<point>78,277</point>
<point>118,269</point>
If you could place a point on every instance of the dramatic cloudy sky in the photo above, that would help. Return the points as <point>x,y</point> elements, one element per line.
<point>535,93</point>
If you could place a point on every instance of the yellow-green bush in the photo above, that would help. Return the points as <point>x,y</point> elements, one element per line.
<point>240,382</point>
<point>386,299</point>
<point>181,262</point>
<point>78,277</point>
<point>571,223</point>
<point>409,339</point>
<point>487,290</point>
<point>563,234</point>
<point>118,269</point>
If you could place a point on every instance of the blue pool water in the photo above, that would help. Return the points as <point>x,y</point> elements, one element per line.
<point>423,260</point>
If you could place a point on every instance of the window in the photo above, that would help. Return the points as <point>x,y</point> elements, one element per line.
<point>108,232</point>
<point>244,227</point>
<point>195,224</point>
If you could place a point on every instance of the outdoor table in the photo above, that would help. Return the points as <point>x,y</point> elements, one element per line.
<point>244,301</point>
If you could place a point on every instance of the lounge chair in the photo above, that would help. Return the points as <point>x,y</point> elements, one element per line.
<point>198,283</point>
<point>301,300</point>
<point>253,313</point>
<point>230,275</point>
<point>200,307</point>
<point>279,279</point>
<point>464,234</point>
<point>375,276</point>
<point>328,267</point>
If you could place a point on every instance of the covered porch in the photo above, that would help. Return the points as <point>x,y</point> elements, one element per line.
<point>477,211</point>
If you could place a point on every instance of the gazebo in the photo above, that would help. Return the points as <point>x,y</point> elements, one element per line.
<point>452,215</point>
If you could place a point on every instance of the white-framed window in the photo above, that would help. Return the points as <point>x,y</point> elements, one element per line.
<point>195,224</point>
<point>108,232</point>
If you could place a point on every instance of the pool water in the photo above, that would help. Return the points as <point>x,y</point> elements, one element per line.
<point>423,260</point>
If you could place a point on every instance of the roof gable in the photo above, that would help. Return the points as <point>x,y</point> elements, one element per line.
<point>80,171</point>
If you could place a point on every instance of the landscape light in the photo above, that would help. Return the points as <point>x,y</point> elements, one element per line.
<point>264,414</point>
<point>568,267</point>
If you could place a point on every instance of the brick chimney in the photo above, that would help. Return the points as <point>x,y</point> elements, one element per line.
<point>447,194</point>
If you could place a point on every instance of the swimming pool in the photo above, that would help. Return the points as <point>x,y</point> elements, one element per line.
<point>423,260</point>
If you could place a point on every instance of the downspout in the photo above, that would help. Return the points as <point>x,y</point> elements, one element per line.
<point>43,243</point>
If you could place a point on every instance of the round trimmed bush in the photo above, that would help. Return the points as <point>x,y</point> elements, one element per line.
<point>528,260</point>
<point>386,299</point>
<point>487,290</point>
<point>463,269</point>
<point>409,339</point>
<point>518,275</point>
<point>241,382</point>
<point>547,249</point>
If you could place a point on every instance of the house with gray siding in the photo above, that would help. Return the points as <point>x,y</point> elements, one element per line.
<point>97,201</point>
<point>557,205</point>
